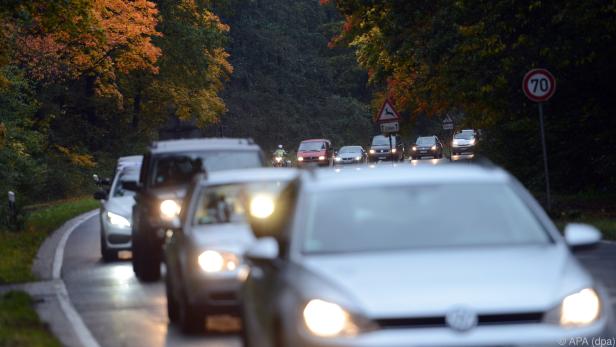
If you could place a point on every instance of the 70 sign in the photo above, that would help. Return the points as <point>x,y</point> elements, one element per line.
<point>539,85</point>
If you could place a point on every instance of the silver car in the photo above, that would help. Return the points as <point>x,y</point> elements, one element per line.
<point>116,212</point>
<point>417,256</point>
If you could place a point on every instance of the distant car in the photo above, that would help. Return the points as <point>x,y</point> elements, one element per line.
<point>167,170</point>
<point>464,142</point>
<point>351,155</point>
<point>380,148</point>
<point>427,146</point>
<point>367,258</point>
<point>116,211</point>
<point>204,255</point>
<point>315,152</point>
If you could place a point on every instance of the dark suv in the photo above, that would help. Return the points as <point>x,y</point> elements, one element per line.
<point>167,170</point>
<point>380,148</point>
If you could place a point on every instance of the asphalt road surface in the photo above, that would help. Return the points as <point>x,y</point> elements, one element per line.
<point>120,311</point>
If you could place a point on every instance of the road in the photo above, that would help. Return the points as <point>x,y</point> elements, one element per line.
<point>120,311</point>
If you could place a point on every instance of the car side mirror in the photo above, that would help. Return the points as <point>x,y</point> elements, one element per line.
<point>263,249</point>
<point>581,236</point>
<point>100,195</point>
<point>132,186</point>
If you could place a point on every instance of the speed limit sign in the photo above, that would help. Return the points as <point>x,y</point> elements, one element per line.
<point>539,85</point>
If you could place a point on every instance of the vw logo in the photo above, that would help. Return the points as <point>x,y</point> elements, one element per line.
<point>461,319</point>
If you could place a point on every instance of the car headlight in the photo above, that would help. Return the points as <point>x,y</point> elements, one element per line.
<point>394,150</point>
<point>262,206</point>
<point>117,220</point>
<point>214,261</point>
<point>326,319</point>
<point>372,151</point>
<point>434,148</point>
<point>321,157</point>
<point>338,159</point>
<point>358,158</point>
<point>169,209</point>
<point>300,158</point>
<point>472,142</point>
<point>581,308</point>
<point>414,148</point>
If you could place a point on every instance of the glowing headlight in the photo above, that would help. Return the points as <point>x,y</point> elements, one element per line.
<point>326,319</point>
<point>434,148</point>
<point>581,308</point>
<point>321,157</point>
<point>300,158</point>
<point>278,159</point>
<point>472,142</point>
<point>394,150</point>
<point>117,220</point>
<point>214,261</point>
<point>337,159</point>
<point>414,148</point>
<point>169,209</point>
<point>372,151</point>
<point>262,206</point>
<point>358,158</point>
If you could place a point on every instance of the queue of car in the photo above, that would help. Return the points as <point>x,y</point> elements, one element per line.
<point>351,257</point>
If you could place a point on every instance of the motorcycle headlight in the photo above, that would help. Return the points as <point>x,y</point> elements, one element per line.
<point>117,220</point>
<point>321,157</point>
<point>326,319</point>
<point>278,159</point>
<point>581,308</point>
<point>169,209</point>
<point>211,261</point>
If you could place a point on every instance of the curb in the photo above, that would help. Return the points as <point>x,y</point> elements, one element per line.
<point>54,305</point>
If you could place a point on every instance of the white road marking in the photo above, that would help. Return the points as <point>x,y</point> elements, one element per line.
<point>81,330</point>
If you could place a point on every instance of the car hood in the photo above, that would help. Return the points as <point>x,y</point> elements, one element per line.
<point>232,237</point>
<point>121,205</point>
<point>431,282</point>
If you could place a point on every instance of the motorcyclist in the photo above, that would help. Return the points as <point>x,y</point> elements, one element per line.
<point>280,153</point>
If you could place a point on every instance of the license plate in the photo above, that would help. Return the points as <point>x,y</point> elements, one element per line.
<point>423,151</point>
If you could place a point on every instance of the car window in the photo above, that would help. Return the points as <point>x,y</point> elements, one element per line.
<point>464,136</point>
<point>381,140</point>
<point>118,191</point>
<point>350,150</point>
<point>174,169</point>
<point>425,141</point>
<point>312,146</point>
<point>227,203</point>
<point>377,219</point>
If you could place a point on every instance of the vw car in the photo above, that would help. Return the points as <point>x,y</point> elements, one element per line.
<point>117,209</point>
<point>204,256</point>
<point>464,142</point>
<point>351,155</point>
<point>318,152</point>
<point>342,262</point>
<point>427,146</point>
<point>167,170</point>
<point>382,149</point>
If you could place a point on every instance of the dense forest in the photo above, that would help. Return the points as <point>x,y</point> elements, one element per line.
<point>83,81</point>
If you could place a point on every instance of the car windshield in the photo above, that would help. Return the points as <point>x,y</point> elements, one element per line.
<point>383,140</point>
<point>379,219</point>
<point>425,141</point>
<point>227,203</point>
<point>464,136</point>
<point>179,168</point>
<point>350,150</point>
<point>312,146</point>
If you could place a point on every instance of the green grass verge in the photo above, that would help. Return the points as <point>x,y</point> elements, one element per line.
<point>20,325</point>
<point>18,248</point>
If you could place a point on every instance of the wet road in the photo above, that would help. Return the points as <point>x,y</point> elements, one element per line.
<point>120,311</point>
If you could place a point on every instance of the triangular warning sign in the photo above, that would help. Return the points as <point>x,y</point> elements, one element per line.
<point>388,113</point>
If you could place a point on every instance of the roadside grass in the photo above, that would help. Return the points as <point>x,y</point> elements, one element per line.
<point>20,326</point>
<point>18,248</point>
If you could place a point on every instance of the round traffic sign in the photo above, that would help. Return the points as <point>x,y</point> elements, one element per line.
<point>539,85</point>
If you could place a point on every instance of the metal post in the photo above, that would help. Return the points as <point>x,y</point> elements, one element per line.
<point>12,217</point>
<point>545,158</point>
<point>391,147</point>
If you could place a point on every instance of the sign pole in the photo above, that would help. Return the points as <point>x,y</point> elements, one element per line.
<point>545,158</point>
<point>391,148</point>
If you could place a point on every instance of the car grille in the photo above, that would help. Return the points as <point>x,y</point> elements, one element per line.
<point>311,158</point>
<point>439,321</point>
<point>381,151</point>
<point>118,239</point>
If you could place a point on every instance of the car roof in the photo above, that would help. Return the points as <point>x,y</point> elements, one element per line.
<point>405,174</point>
<point>250,175</point>
<point>226,143</point>
<point>316,140</point>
